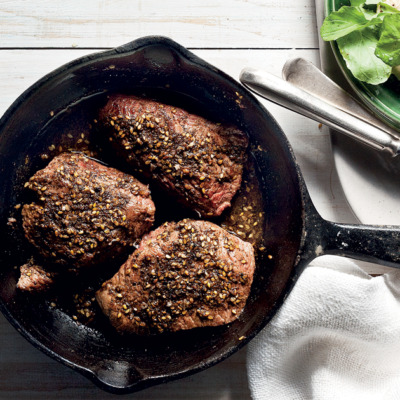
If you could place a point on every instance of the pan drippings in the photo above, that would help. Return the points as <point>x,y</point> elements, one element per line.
<point>245,219</point>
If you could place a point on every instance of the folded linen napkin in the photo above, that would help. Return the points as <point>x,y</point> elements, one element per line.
<point>337,336</point>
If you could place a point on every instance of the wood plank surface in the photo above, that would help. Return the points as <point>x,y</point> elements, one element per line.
<point>200,24</point>
<point>28,374</point>
<point>37,37</point>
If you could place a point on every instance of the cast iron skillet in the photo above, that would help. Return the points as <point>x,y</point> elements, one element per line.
<point>64,101</point>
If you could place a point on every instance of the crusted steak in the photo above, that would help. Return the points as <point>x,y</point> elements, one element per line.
<point>86,213</point>
<point>183,275</point>
<point>34,278</point>
<point>197,161</point>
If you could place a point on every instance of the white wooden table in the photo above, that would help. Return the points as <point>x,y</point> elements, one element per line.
<point>36,37</point>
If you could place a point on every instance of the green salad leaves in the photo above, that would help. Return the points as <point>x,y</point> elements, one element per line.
<point>367,33</point>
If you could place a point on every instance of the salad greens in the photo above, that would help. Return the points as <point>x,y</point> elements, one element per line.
<point>367,33</point>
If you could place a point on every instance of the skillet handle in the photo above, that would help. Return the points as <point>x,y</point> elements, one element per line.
<point>377,244</point>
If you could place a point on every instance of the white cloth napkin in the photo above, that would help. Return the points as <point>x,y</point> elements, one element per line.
<point>337,336</point>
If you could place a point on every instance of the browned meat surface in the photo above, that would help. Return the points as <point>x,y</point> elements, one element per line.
<point>197,161</point>
<point>183,275</point>
<point>34,278</point>
<point>85,213</point>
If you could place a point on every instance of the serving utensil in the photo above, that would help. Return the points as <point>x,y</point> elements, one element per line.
<point>308,91</point>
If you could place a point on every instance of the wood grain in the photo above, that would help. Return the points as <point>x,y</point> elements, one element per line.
<point>26,373</point>
<point>200,24</point>
<point>37,37</point>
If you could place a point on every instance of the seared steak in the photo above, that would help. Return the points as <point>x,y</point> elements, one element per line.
<point>86,213</point>
<point>34,278</point>
<point>183,275</point>
<point>197,161</point>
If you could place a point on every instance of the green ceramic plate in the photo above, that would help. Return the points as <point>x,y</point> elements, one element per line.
<point>383,100</point>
